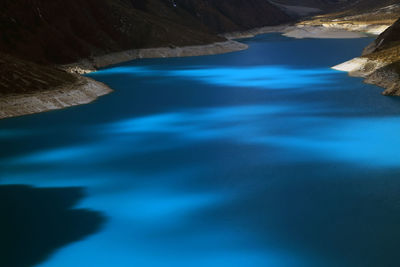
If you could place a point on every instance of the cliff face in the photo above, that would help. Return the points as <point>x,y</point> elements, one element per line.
<point>62,32</point>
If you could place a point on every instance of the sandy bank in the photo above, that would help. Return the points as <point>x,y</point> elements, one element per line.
<point>84,91</point>
<point>90,65</point>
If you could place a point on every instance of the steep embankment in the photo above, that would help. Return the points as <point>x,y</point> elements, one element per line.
<point>380,62</point>
<point>37,35</point>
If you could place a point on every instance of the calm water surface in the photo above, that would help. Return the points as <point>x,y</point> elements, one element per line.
<point>264,157</point>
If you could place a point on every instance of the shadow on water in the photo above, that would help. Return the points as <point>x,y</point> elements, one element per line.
<point>37,221</point>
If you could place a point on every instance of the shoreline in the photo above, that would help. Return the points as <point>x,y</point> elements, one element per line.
<point>83,91</point>
<point>90,65</point>
<point>375,72</point>
<point>87,90</point>
<point>321,32</point>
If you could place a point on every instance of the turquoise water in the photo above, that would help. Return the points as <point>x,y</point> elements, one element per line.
<point>264,157</point>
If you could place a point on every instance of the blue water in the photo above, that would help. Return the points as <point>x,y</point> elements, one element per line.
<point>264,157</point>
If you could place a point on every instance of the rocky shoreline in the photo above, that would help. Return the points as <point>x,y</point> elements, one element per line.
<point>372,29</point>
<point>95,63</point>
<point>87,90</point>
<point>380,62</point>
<point>83,91</point>
<point>376,72</point>
<point>321,32</point>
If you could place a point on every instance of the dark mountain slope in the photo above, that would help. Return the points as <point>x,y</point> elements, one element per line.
<point>367,5</point>
<point>20,76</point>
<point>61,32</point>
<point>380,63</point>
<point>322,4</point>
<point>234,15</point>
<point>64,31</point>
<point>386,49</point>
<point>388,39</point>
<point>368,10</point>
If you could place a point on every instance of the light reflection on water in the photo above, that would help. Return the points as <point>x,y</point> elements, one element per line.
<point>261,77</point>
<point>264,160</point>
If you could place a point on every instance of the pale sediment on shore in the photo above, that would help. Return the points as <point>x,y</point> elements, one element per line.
<point>84,91</point>
<point>300,32</point>
<point>374,29</point>
<point>360,66</point>
<point>87,90</point>
<point>323,31</point>
<point>87,66</point>
<point>374,72</point>
<point>334,30</point>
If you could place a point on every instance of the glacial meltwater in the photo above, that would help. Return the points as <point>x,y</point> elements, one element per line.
<point>264,157</point>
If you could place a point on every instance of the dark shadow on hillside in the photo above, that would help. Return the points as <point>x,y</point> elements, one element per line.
<point>37,221</point>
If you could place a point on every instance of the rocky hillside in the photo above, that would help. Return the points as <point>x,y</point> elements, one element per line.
<point>37,35</point>
<point>386,50</point>
<point>321,4</point>
<point>387,40</point>
<point>62,32</point>
<point>27,88</point>
<point>380,62</point>
<point>20,76</point>
<point>369,16</point>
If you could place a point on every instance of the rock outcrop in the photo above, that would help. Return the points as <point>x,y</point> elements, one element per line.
<point>380,62</point>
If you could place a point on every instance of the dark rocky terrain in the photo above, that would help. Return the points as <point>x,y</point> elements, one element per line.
<point>20,76</point>
<point>62,32</point>
<point>38,34</point>
<point>380,62</point>
<point>387,40</point>
<point>386,49</point>
<point>327,5</point>
<point>360,12</point>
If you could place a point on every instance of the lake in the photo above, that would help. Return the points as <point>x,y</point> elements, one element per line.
<point>263,157</point>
